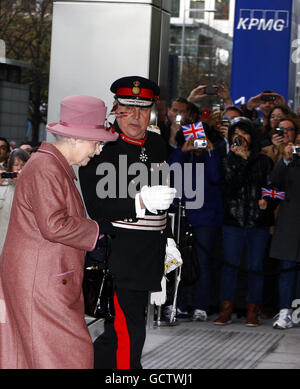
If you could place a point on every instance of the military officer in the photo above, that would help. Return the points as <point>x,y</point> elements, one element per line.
<point>138,214</point>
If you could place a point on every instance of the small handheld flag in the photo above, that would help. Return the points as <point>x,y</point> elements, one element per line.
<point>274,194</point>
<point>194,130</point>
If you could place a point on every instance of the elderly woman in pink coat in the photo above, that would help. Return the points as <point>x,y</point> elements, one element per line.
<point>42,323</point>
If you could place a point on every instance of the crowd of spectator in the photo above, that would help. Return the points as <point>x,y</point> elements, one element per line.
<point>249,148</point>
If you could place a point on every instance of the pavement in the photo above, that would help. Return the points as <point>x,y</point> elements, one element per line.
<point>203,345</point>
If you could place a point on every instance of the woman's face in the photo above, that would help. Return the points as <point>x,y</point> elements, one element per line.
<point>85,150</point>
<point>17,165</point>
<point>275,117</point>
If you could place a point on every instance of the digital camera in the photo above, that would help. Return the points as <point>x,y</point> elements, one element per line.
<point>200,143</point>
<point>296,149</point>
<point>8,174</point>
<point>279,131</point>
<point>211,90</point>
<point>268,98</point>
<point>225,120</point>
<point>237,142</point>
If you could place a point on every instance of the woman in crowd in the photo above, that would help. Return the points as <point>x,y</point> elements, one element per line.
<point>15,163</point>
<point>42,322</point>
<point>276,114</point>
<point>245,172</point>
<point>206,221</point>
<point>285,244</point>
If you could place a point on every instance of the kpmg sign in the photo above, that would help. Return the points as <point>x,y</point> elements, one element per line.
<point>262,20</point>
<point>261,48</point>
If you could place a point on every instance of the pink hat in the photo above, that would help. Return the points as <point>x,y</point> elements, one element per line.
<point>83,117</point>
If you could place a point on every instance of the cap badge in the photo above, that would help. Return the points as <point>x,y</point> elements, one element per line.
<point>136,90</point>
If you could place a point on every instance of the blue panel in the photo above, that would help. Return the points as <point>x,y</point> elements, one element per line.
<point>261,48</point>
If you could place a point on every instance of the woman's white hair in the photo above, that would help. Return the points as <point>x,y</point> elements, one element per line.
<point>61,138</point>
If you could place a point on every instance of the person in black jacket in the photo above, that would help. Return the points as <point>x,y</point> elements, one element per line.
<point>138,214</point>
<point>245,172</point>
<point>285,244</point>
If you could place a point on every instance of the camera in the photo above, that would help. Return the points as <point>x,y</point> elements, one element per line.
<point>279,131</point>
<point>268,98</point>
<point>216,107</point>
<point>211,90</point>
<point>296,149</point>
<point>178,119</point>
<point>237,142</point>
<point>225,120</point>
<point>9,174</point>
<point>200,143</point>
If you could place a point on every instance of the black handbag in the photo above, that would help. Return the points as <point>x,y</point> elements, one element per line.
<point>190,270</point>
<point>98,284</point>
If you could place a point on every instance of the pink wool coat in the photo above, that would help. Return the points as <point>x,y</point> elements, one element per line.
<point>42,322</point>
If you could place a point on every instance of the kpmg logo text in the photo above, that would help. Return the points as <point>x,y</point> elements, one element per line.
<point>263,20</point>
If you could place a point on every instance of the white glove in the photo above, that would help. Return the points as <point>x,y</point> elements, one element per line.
<point>157,197</point>
<point>159,298</point>
<point>173,257</point>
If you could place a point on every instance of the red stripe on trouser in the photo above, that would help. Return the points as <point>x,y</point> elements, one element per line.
<point>120,325</point>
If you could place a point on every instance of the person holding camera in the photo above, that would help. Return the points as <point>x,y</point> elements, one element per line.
<point>264,101</point>
<point>245,172</point>
<point>176,114</point>
<point>230,113</point>
<point>206,221</point>
<point>219,89</point>
<point>283,134</point>
<point>285,244</point>
<point>15,163</point>
<point>42,322</point>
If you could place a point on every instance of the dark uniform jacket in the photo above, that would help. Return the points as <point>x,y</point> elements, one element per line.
<point>137,256</point>
<point>286,239</point>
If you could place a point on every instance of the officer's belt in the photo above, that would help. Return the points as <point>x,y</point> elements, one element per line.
<point>148,223</point>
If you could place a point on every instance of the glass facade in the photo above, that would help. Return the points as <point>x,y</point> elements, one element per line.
<point>195,9</point>
<point>222,9</point>
<point>202,47</point>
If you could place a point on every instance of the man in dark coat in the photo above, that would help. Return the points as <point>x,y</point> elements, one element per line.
<point>137,211</point>
<point>286,239</point>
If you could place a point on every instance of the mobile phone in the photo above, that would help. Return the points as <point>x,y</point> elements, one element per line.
<point>178,119</point>
<point>268,98</point>
<point>9,174</point>
<point>211,90</point>
<point>205,113</point>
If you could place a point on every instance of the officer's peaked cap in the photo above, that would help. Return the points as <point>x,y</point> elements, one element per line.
<point>135,90</point>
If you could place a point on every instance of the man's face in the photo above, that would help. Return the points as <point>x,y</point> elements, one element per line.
<point>133,121</point>
<point>289,131</point>
<point>4,152</point>
<point>231,114</point>
<point>177,108</point>
<point>266,107</point>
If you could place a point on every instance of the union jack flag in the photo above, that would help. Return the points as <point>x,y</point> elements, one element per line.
<point>195,130</point>
<point>274,194</point>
